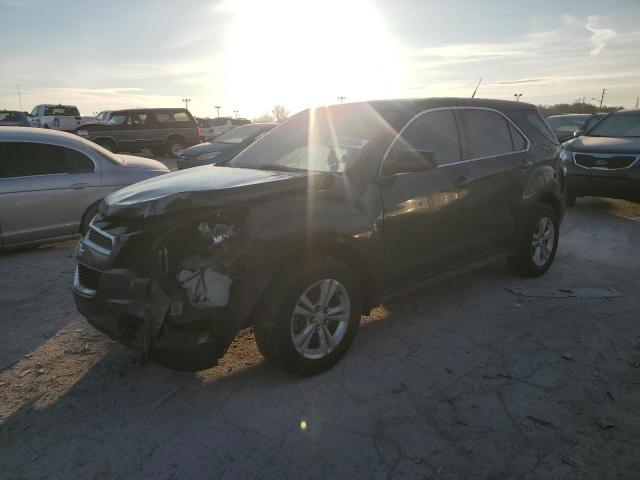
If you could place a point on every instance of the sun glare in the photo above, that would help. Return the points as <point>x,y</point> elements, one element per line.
<point>302,54</point>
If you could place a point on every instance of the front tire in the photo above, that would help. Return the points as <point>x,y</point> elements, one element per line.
<point>309,316</point>
<point>538,244</point>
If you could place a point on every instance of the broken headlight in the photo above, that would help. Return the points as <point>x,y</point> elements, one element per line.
<point>215,234</point>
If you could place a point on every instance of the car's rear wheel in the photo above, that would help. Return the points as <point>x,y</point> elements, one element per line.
<point>309,316</point>
<point>175,147</point>
<point>538,244</point>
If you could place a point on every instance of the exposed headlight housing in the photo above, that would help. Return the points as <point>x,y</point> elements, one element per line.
<point>565,155</point>
<point>208,156</point>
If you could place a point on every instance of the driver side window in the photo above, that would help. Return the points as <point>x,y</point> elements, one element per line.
<point>434,131</point>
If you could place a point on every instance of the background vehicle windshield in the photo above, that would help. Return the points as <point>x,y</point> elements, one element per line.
<point>62,111</point>
<point>241,134</point>
<point>326,139</point>
<point>567,123</point>
<point>618,125</point>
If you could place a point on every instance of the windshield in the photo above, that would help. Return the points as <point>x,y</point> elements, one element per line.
<point>62,111</point>
<point>325,139</point>
<point>568,123</point>
<point>242,134</point>
<point>618,125</point>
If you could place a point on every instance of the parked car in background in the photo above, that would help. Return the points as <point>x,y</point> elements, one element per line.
<point>604,161</point>
<point>163,130</point>
<point>56,117</point>
<point>317,222</point>
<point>14,118</point>
<point>566,126</point>
<point>52,182</point>
<point>223,148</point>
<point>222,125</point>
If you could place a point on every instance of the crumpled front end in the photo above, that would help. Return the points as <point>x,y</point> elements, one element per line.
<point>171,287</point>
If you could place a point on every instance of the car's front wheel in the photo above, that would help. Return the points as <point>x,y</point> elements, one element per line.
<point>539,242</point>
<point>309,316</point>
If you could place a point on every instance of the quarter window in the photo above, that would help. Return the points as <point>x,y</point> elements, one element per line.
<point>434,132</point>
<point>24,159</point>
<point>487,133</point>
<point>519,142</point>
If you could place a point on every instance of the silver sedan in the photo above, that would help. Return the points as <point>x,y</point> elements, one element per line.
<point>51,183</point>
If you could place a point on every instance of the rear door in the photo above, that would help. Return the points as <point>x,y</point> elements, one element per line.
<point>44,190</point>
<point>495,151</point>
<point>428,215</point>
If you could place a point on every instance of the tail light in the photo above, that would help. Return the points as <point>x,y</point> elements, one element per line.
<point>56,122</point>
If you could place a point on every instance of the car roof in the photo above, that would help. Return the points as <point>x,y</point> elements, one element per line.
<point>627,112</point>
<point>40,135</point>
<point>55,105</point>
<point>571,115</point>
<point>435,102</point>
<point>142,110</point>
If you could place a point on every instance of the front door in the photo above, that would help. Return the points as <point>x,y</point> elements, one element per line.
<point>428,215</point>
<point>44,190</point>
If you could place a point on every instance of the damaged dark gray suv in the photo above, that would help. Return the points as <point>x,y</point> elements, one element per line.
<point>323,218</point>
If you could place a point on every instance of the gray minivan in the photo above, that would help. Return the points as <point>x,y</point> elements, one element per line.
<point>52,182</point>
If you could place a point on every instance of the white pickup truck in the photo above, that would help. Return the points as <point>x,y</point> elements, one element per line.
<point>56,117</point>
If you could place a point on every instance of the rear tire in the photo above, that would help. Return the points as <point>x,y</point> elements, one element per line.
<point>538,243</point>
<point>174,147</point>
<point>290,329</point>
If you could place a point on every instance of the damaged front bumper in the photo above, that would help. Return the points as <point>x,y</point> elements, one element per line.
<point>186,327</point>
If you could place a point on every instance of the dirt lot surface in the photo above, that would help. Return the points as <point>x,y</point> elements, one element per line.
<point>464,380</point>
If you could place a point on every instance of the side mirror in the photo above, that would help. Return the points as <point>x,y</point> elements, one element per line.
<point>408,161</point>
<point>577,133</point>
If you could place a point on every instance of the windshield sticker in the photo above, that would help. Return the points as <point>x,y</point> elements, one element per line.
<point>351,142</point>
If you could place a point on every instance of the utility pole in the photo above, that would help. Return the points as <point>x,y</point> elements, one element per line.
<point>236,113</point>
<point>342,99</point>
<point>218,107</point>
<point>637,100</point>
<point>602,97</point>
<point>517,95</point>
<point>186,102</point>
<point>19,96</point>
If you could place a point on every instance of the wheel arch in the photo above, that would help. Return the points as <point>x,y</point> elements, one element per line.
<point>344,251</point>
<point>175,136</point>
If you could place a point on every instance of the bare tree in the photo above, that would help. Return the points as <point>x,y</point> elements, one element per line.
<point>280,113</point>
<point>264,118</point>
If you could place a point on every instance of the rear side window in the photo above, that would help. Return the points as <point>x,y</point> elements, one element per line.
<point>434,132</point>
<point>24,159</point>
<point>487,133</point>
<point>169,117</point>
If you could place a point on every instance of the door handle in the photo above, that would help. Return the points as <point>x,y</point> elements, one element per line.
<point>461,181</point>
<point>79,186</point>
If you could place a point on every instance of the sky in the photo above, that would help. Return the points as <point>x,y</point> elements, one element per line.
<point>249,55</point>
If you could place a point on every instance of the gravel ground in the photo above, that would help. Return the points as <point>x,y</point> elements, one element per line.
<point>463,380</point>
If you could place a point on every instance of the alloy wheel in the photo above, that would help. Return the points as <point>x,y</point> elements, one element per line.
<point>320,319</point>
<point>543,241</point>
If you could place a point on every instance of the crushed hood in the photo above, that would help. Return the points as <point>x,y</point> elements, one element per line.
<point>200,187</point>
<point>587,144</point>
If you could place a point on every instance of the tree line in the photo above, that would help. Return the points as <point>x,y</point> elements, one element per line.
<point>576,107</point>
